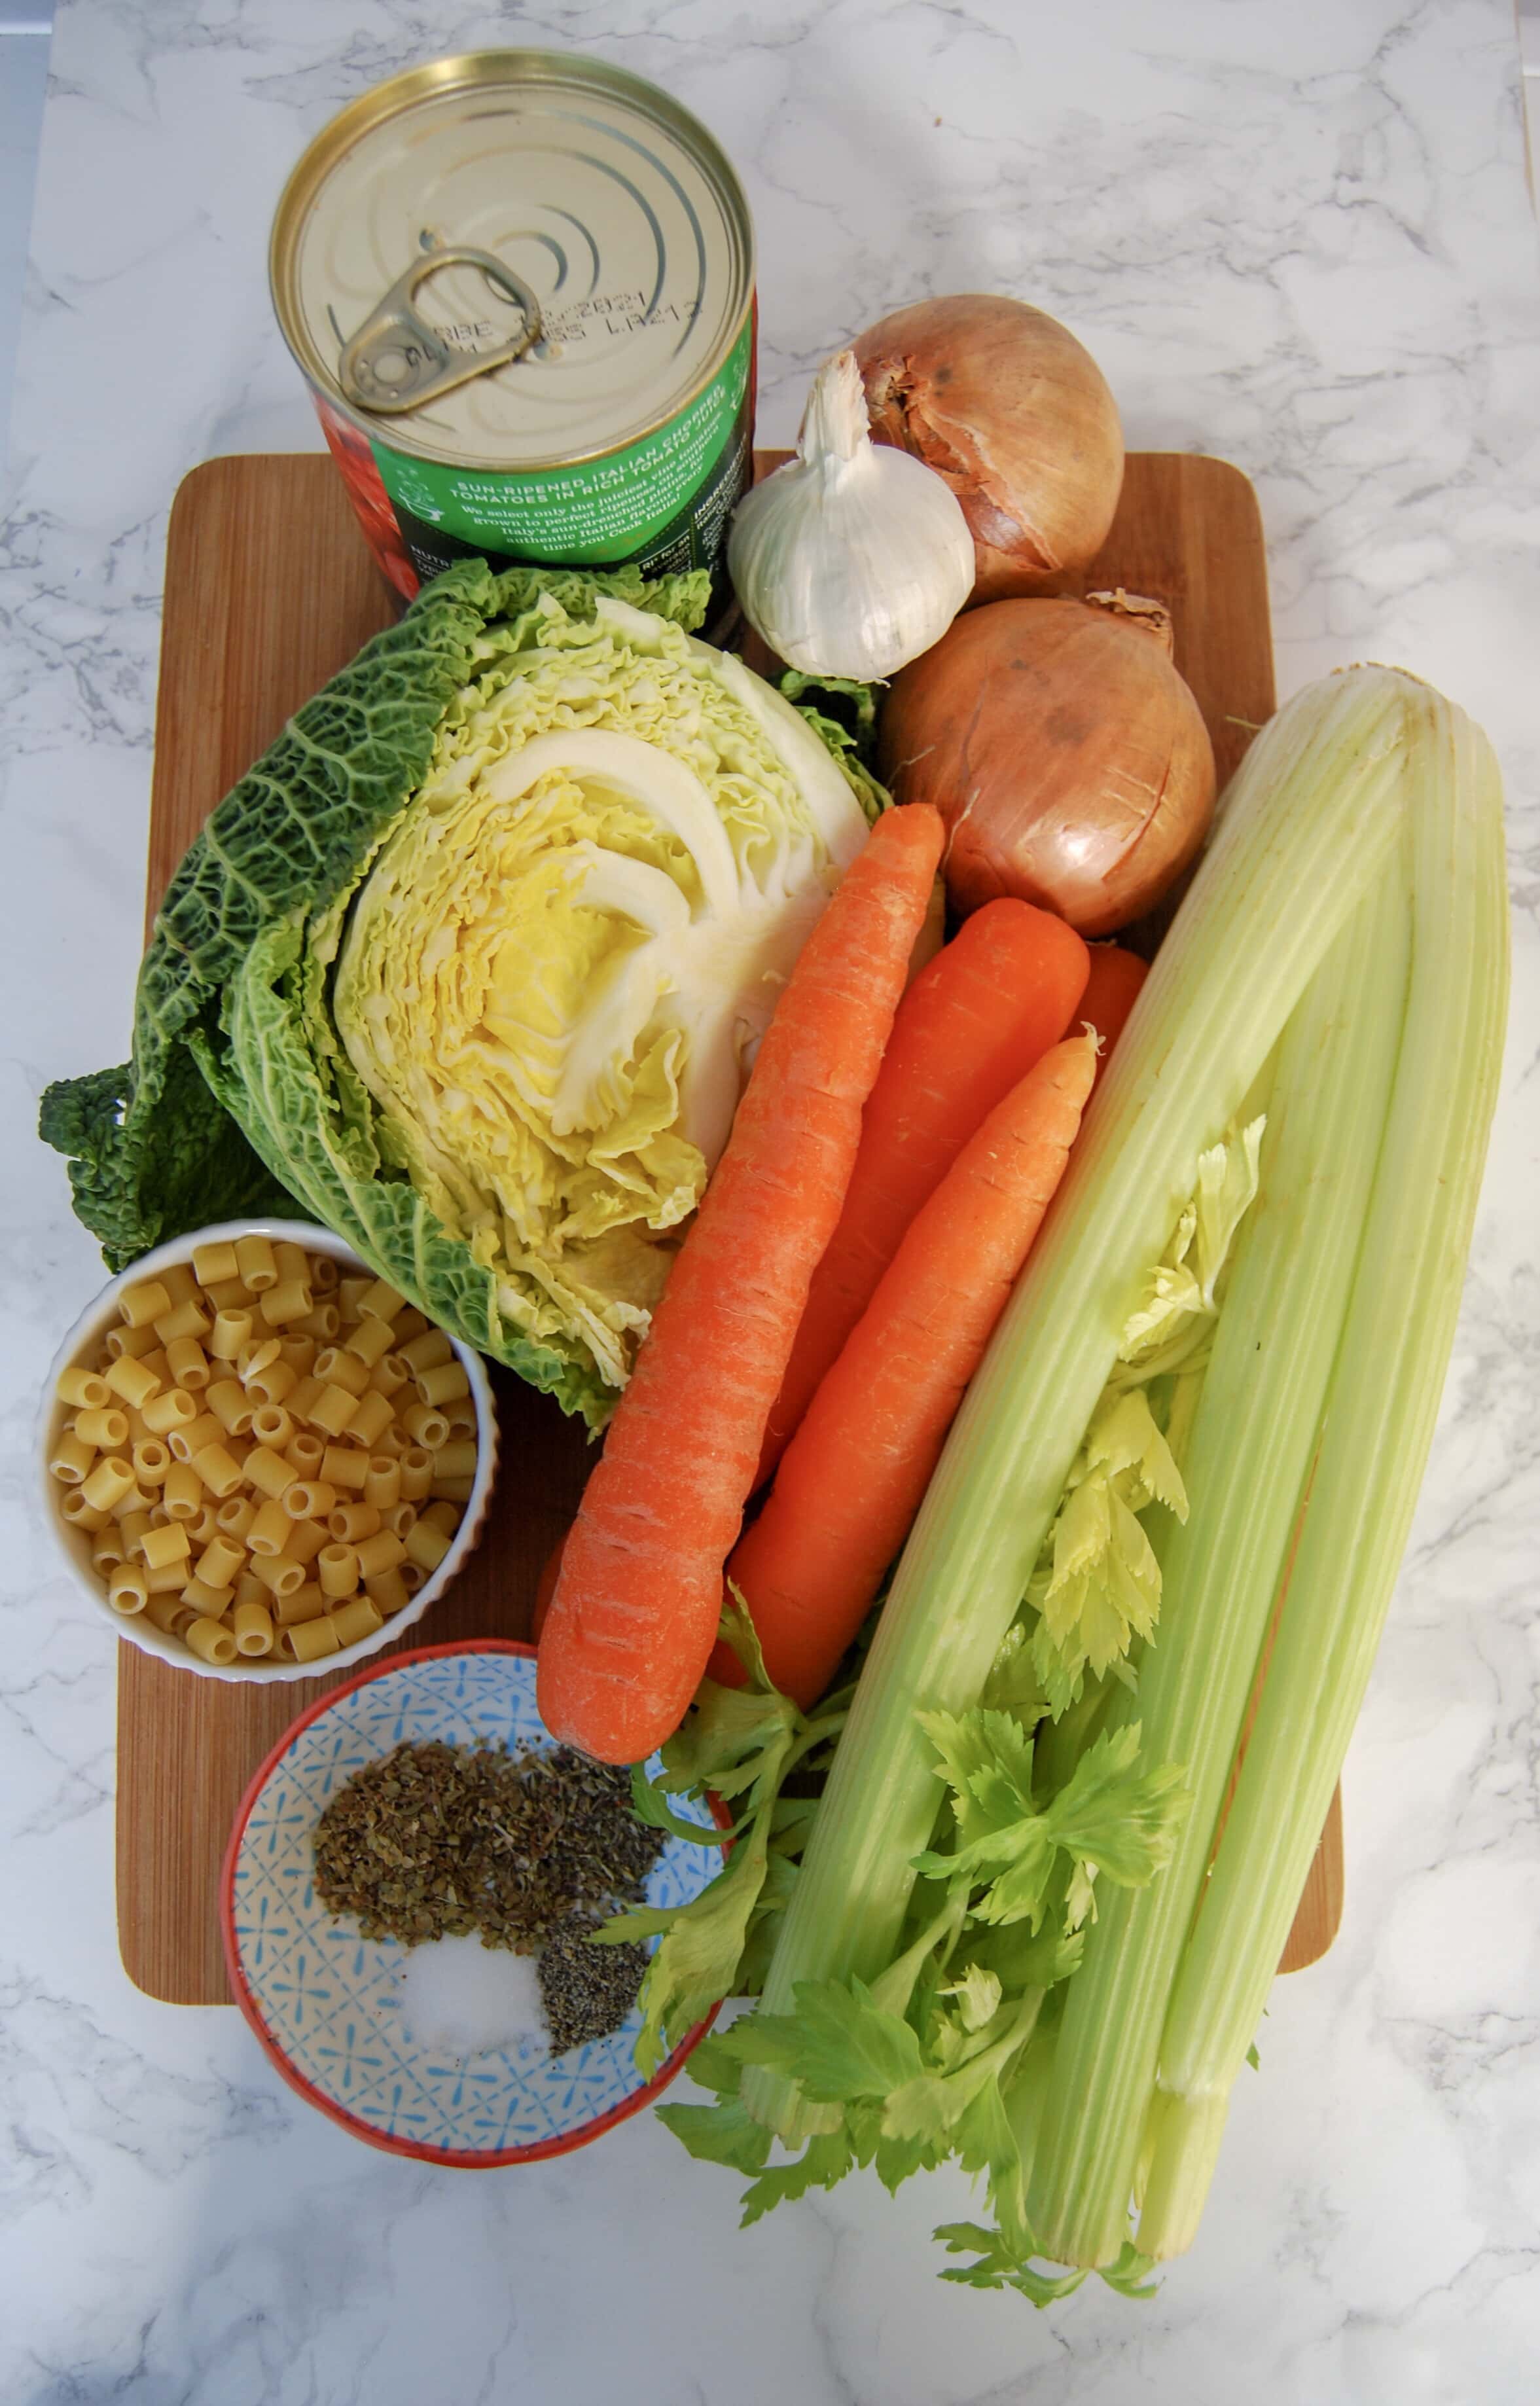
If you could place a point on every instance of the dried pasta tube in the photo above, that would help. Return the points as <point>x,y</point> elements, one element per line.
<point>135,1342</point>
<point>454,1462</point>
<point>151,1462</point>
<point>393,1441</point>
<point>169,1613</point>
<point>389,1374</point>
<point>411,1322</point>
<point>105,1431</point>
<point>165,1545</point>
<point>333,1411</point>
<point>132,1531</point>
<point>183,1320</point>
<point>312,1639</point>
<point>443,1516</point>
<point>83,1390</point>
<point>188,1364</point>
<point>304,1396</point>
<point>205,1528</point>
<point>371,1340</point>
<point>374,1416</point>
<point>234,1517</point>
<point>445,1383</point>
<point>231,1407</point>
<point>345,1466</point>
<point>350,1524</point>
<point>219,1562</point>
<point>71,1458</point>
<point>190,1438</point>
<point>411,1575</point>
<point>425,1352</point>
<point>305,1540</point>
<point>255,1261</point>
<point>278,1573</point>
<point>306,1452</point>
<point>389,1590</point>
<point>87,1518</point>
<point>179,1283</point>
<point>297,1353</point>
<point>230,1333</point>
<point>211,1640</point>
<point>323,1321</point>
<point>249,1589</point>
<point>199,1597</point>
<point>144,1302</point>
<point>426,1425</point>
<point>169,1579</point>
<point>351,1295</point>
<point>416,1473</point>
<point>380,1301</point>
<point>253,1630</point>
<point>128,1590</point>
<point>268,1471</point>
<point>458,1490</point>
<point>310,1499</point>
<point>268,1532</point>
<point>337,1570</point>
<point>132,1381</point>
<point>284,1303</point>
<point>399,1518</point>
<point>107,1547</point>
<point>174,1409</point>
<point>336,1367</point>
<point>293,1260</point>
<point>304,1603</point>
<point>107,1483</point>
<point>380,1553</point>
<point>382,1483</point>
<point>272,1382</point>
<point>426,1546</point>
<point>214,1261</point>
<point>360,1617</point>
<point>228,1295</point>
<point>272,1426</point>
<point>260,1354</point>
<point>324,1274</point>
<point>218,1469</point>
<point>460,1413</point>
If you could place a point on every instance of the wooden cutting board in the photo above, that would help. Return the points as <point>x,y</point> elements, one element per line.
<point>268,591</point>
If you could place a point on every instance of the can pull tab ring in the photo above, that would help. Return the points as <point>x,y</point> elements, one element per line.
<point>396,360</point>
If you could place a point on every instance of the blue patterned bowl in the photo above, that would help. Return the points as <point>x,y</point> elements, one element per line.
<point>325,2003</point>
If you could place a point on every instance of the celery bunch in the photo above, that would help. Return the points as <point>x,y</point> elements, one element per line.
<point>1033,1920</point>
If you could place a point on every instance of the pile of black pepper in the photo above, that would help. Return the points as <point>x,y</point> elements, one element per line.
<point>532,1850</point>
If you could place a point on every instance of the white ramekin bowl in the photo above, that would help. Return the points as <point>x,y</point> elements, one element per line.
<point>82,1347</point>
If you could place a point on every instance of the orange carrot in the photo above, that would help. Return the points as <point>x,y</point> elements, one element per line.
<point>852,1476</point>
<point>971,1024</point>
<point>1111,990</point>
<point>640,1590</point>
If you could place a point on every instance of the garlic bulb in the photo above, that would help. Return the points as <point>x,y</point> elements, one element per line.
<point>853,558</point>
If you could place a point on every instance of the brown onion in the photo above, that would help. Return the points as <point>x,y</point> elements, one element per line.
<point>1006,405</point>
<point>1070,760</point>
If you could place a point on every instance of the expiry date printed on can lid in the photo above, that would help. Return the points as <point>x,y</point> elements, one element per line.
<point>632,236</point>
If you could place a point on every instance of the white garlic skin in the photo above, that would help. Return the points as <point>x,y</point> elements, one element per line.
<point>853,558</point>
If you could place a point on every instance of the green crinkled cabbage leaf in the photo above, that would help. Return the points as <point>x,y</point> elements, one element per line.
<point>242,1099</point>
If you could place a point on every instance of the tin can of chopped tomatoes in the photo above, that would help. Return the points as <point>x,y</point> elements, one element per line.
<point>520,287</point>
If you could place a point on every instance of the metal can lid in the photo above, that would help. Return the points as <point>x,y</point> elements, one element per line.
<point>610,209</point>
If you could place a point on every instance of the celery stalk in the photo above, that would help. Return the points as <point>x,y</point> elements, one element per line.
<point>1307,824</point>
<point>1377,1431</point>
<point>1248,1459</point>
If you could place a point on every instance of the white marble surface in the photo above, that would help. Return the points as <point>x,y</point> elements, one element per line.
<point>1296,233</point>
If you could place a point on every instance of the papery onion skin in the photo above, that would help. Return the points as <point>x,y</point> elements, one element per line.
<point>1004,404</point>
<point>1068,758</point>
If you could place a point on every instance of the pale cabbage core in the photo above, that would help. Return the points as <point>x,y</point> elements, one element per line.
<point>557,972</point>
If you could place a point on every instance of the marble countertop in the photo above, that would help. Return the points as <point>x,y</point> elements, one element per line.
<point>1295,232</point>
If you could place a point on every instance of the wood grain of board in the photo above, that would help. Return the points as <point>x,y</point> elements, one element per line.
<point>269,590</point>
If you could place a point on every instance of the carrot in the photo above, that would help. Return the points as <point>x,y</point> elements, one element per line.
<point>973,1023</point>
<point>639,1593</point>
<point>1111,990</point>
<point>852,1476</point>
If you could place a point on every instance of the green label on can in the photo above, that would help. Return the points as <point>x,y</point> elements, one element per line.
<point>592,511</point>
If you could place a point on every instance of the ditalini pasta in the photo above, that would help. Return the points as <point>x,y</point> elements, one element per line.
<point>268,1458</point>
